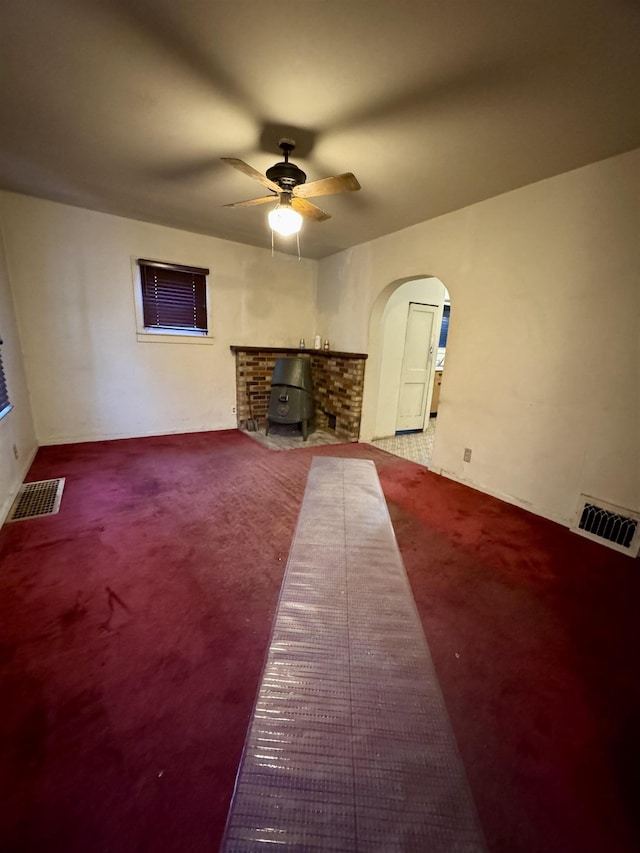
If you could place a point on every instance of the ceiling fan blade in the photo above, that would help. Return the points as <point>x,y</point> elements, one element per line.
<point>309,210</point>
<point>346,183</point>
<point>248,170</point>
<point>252,201</point>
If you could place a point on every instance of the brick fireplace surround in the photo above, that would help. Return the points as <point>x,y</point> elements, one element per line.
<point>338,381</point>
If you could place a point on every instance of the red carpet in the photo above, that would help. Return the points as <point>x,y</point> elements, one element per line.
<point>133,626</point>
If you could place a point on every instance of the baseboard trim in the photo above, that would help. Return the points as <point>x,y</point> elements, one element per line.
<point>6,506</point>
<point>510,499</point>
<point>88,439</point>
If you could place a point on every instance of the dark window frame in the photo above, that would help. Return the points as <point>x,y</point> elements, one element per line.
<point>5,402</point>
<point>174,298</point>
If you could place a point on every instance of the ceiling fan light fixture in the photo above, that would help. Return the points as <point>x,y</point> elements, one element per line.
<point>284,220</point>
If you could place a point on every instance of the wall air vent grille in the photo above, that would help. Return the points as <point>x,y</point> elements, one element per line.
<point>608,524</point>
<point>37,499</point>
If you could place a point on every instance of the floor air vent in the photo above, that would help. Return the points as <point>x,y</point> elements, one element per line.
<point>608,524</point>
<point>37,499</point>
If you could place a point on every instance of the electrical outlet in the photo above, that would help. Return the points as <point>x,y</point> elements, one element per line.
<point>467,454</point>
<point>233,410</point>
<point>16,455</point>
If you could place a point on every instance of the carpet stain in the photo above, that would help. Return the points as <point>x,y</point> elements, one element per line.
<point>73,614</point>
<point>114,599</point>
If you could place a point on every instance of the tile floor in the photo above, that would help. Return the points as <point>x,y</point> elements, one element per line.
<point>416,446</point>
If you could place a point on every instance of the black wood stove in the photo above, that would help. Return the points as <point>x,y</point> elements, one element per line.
<point>291,400</point>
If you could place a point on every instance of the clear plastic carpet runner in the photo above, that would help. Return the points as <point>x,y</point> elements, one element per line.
<point>350,747</point>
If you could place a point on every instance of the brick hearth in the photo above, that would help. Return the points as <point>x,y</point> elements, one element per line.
<point>338,381</point>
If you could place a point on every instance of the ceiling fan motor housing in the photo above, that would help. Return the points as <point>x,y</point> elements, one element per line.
<point>286,175</point>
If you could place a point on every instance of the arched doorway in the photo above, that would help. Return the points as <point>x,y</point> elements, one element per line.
<point>409,326</point>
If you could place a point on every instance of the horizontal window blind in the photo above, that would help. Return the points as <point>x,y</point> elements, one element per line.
<point>173,296</point>
<point>5,404</point>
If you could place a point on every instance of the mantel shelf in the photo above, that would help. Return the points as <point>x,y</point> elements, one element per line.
<point>297,351</point>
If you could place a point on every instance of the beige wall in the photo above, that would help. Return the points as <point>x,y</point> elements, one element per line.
<point>543,359</point>
<point>16,428</point>
<point>72,280</point>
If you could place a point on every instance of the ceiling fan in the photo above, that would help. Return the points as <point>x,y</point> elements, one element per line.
<point>287,184</point>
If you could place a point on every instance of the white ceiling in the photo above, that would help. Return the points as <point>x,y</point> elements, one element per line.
<point>126,106</point>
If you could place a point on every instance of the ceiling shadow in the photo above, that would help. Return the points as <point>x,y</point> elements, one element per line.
<point>474,83</point>
<point>271,134</point>
<point>197,169</point>
<point>150,20</point>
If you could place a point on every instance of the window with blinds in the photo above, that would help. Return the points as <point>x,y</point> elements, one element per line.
<point>174,297</point>
<point>5,403</point>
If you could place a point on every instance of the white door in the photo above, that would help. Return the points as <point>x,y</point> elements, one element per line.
<point>417,367</point>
